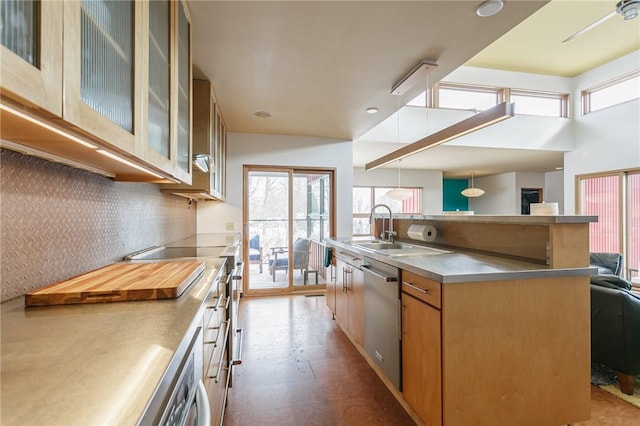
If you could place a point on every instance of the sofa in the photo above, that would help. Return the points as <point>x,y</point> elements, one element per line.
<point>615,324</point>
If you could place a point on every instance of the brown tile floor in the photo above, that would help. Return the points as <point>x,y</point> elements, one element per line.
<point>300,369</point>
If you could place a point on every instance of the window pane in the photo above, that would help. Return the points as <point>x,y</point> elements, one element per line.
<point>361,226</point>
<point>534,105</point>
<point>466,99</point>
<point>411,205</point>
<point>361,200</point>
<point>615,94</point>
<point>600,197</point>
<point>634,225</point>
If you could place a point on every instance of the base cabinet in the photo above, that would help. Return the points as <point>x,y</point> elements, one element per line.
<point>215,373</point>
<point>496,352</point>
<point>421,347</point>
<point>349,299</point>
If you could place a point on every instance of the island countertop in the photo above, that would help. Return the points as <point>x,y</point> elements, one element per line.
<point>93,364</point>
<point>461,265</point>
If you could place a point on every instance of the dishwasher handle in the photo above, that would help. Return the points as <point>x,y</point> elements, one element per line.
<point>386,278</point>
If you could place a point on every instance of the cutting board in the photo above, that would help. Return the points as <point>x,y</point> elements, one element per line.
<point>120,282</point>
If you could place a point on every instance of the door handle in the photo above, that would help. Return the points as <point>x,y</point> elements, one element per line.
<point>378,274</point>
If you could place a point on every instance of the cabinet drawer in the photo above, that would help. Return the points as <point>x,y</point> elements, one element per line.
<point>349,258</point>
<point>217,392</point>
<point>427,290</point>
<point>215,359</point>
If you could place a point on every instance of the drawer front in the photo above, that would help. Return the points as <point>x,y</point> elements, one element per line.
<point>422,288</point>
<point>217,360</point>
<point>217,392</point>
<point>348,257</point>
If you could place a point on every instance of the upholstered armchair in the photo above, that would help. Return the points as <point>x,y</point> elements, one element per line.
<point>615,328</point>
<point>255,251</point>
<point>280,257</point>
<point>607,263</point>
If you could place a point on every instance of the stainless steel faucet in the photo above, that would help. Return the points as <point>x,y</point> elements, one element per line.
<point>390,233</point>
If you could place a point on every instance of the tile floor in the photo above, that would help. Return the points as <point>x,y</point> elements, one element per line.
<point>300,369</point>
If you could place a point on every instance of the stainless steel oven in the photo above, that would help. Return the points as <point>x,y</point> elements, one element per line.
<point>187,403</point>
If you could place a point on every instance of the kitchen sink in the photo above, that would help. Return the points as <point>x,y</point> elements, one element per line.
<point>384,245</point>
<point>398,249</point>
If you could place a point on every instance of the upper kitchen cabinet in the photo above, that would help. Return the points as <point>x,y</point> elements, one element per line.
<point>157,115</point>
<point>31,52</point>
<point>183,93</point>
<point>209,148</point>
<point>102,70</point>
<point>98,84</point>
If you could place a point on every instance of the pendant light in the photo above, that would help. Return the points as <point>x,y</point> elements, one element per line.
<point>399,193</point>
<point>472,191</point>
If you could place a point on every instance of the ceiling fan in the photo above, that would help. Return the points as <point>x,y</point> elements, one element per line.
<point>629,9</point>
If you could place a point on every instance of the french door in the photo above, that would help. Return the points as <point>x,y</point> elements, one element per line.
<point>288,212</point>
<point>615,198</point>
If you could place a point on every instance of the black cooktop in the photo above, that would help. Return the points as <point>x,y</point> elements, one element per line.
<point>178,252</point>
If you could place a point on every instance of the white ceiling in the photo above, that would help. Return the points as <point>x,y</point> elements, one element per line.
<point>315,66</point>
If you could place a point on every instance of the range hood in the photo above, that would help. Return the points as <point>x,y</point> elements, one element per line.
<point>202,162</point>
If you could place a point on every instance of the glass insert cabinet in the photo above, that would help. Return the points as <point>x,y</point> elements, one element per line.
<point>118,71</point>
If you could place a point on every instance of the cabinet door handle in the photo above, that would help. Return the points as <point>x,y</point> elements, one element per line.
<point>421,290</point>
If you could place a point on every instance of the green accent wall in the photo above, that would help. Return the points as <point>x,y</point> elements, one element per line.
<point>452,199</point>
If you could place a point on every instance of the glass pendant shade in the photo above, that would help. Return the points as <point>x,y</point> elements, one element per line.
<point>472,192</point>
<point>399,194</point>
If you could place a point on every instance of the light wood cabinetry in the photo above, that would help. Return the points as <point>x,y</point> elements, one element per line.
<point>106,87</point>
<point>332,287</point>
<point>215,374</point>
<point>349,299</point>
<point>421,347</point>
<point>182,92</point>
<point>209,141</point>
<point>497,352</point>
<point>31,54</point>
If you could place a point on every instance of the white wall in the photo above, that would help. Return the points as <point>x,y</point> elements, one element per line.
<point>291,151</point>
<point>499,195</point>
<point>429,180</point>
<point>554,189</point>
<point>605,140</point>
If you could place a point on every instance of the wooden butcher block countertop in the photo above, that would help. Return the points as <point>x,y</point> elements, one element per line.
<point>120,282</point>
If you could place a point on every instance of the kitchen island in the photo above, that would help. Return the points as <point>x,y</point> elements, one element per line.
<point>488,337</point>
<point>96,364</point>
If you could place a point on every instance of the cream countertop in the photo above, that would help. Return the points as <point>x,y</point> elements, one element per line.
<point>93,364</point>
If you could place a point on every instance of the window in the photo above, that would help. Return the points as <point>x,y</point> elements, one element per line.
<point>480,98</point>
<point>540,103</point>
<point>459,96</point>
<point>613,92</point>
<point>615,199</point>
<point>365,197</point>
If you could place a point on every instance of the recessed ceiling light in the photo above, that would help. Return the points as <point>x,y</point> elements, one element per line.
<point>262,114</point>
<point>372,110</point>
<point>489,8</point>
<point>559,168</point>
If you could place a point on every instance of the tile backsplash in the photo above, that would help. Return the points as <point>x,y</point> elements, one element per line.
<point>57,222</point>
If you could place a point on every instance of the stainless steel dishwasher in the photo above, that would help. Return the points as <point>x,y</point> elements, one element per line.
<point>382,317</point>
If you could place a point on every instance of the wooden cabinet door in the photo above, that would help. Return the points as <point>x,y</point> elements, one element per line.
<point>157,72</point>
<point>356,305</point>
<point>183,93</point>
<point>342,303</point>
<point>103,65</point>
<point>31,53</point>
<point>421,359</point>
<point>331,274</point>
